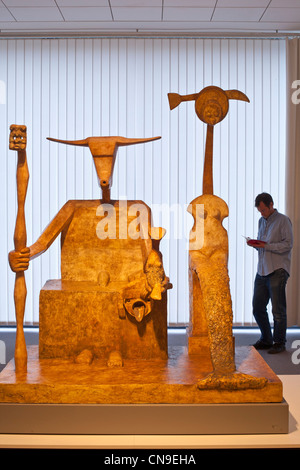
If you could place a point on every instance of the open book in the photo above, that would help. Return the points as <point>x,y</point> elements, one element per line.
<point>252,242</point>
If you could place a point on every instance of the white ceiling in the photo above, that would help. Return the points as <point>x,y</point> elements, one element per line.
<point>148,16</point>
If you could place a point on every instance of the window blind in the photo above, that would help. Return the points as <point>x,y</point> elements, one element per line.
<point>73,88</point>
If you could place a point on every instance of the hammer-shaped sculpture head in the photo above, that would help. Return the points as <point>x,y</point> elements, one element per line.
<point>211,104</point>
<point>104,151</point>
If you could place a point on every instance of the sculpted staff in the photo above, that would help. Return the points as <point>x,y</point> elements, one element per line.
<point>17,141</point>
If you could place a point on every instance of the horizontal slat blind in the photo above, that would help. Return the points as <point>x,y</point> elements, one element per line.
<point>75,88</point>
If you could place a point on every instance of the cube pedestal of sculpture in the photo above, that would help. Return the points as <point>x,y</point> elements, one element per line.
<point>83,316</point>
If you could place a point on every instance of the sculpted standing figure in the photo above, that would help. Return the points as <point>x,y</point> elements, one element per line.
<point>210,300</point>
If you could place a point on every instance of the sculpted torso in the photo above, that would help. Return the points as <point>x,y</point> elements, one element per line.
<point>208,239</point>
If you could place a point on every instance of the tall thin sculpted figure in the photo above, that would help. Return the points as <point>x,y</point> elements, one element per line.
<point>211,306</point>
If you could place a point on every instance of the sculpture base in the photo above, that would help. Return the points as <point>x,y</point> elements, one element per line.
<point>171,381</point>
<point>180,419</point>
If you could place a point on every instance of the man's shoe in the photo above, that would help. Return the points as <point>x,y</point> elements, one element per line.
<point>277,348</point>
<point>261,345</point>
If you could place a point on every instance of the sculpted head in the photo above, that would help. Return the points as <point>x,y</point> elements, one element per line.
<point>104,151</point>
<point>17,137</point>
<point>212,105</point>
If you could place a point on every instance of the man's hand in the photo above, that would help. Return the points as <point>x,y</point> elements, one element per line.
<point>19,260</point>
<point>260,244</point>
<point>256,243</point>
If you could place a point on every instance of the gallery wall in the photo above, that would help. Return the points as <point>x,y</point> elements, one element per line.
<point>75,88</point>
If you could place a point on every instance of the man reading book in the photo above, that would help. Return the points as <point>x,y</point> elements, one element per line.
<point>274,246</point>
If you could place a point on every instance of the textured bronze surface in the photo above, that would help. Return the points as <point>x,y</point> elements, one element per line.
<point>211,316</point>
<point>111,296</point>
<point>111,299</point>
<point>104,151</point>
<point>78,316</point>
<point>139,381</point>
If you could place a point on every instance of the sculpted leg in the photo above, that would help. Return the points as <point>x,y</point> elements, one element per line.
<point>209,262</point>
<point>219,318</point>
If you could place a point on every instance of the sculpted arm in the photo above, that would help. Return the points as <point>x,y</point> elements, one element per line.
<point>52,231</point>
<point>19,261</point>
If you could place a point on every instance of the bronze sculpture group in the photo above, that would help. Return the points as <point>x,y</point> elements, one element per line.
<point>111,300</point>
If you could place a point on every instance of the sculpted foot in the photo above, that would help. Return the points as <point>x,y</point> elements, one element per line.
<point>85,357</point>
<point>231,381</point>
<point>115,359</point>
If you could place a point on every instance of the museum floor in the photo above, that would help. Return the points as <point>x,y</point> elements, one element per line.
<point>284,365</point>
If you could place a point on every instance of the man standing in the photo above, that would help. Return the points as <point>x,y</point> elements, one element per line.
<point>274,246</point>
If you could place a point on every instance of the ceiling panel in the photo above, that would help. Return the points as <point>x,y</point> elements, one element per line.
<point>29,3</point>
<point>86,13</point>
<point>243,3</point>
<point>282,14</point>
<point>238,14</point>
<point>136,3</point>
<point>190,3</point>
<point>285,3</point>
<point>136,13</point>
<point>82,3</point>
<point>138,16</point>
<point>36,14</point>
<point>5,15</point>
<point>187,14</point>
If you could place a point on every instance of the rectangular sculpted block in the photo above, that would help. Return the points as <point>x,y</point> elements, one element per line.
<point>85,320</point>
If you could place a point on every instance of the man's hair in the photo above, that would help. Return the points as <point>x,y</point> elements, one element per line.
<point>265,198</point>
